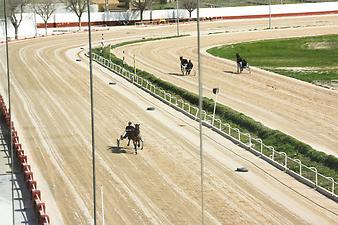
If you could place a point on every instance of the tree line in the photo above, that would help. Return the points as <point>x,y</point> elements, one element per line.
<point>46,8</point>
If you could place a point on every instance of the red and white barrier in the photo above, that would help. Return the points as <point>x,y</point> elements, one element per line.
<point>38,204</point>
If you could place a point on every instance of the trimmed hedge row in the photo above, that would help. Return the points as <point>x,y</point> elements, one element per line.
<point>326,164</point>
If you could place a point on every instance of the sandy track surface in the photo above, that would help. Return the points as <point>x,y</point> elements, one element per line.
<point>302,110</point>
<point>161,185</point>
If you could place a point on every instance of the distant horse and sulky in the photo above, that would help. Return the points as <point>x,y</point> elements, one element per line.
<point>186,66</point>
<point>242,64</point>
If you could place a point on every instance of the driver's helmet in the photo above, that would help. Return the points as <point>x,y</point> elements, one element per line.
<point>129,123</point>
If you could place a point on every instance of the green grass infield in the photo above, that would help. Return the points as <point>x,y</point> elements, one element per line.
<point>311,59</point>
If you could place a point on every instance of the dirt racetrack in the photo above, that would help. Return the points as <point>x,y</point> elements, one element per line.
<point>161,185</point>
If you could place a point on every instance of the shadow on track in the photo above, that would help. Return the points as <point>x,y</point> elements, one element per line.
<point>176,74</point>
<point>116,150</point>
<point>228,71</point>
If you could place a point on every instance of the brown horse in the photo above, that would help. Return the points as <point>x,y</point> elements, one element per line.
<point>134,136</point>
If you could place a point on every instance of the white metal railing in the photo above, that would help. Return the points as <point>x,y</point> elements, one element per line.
<point>309,174</point>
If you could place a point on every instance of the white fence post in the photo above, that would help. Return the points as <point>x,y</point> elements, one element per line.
<point>220,122</point>
<point>314,169</point>
<point>300,166</point>
<point>330,178</point>
<point>261,147</point>
<point>285,160</point>
<point>196,113</point>
<point>178,101</point>
<point>239,133</point>
<point>188,107</point>
<point>273,152</point>
<point>249,140</point>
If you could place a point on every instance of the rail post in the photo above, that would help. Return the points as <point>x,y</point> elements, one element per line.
<point>314,169</point>
<point>300,166</point>
<point>239,133</point>
<point>285,160</point>
<point>261,146</point>
<point>273,152</point>
<point>330,178</point>
<point>249,140</point>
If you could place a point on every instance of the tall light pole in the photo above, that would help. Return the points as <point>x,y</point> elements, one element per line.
<point>151,10</point>
<point>91,88</point>
<point>102,206</point>
<point>177,19</point>
<point>11,150</point>
<point>200,107</point>
<point>134,65</point>
<point>109,52</point>
<point>105,11</point>
<point>102,42</point>
<point>215,91</point>
<point>35,25</point>
<point>123,59</point>
<point>269,14</point>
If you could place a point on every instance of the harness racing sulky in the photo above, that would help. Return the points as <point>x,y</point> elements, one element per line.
<point>186,66</point>
<point>132,134</point>
<point>242,64</point>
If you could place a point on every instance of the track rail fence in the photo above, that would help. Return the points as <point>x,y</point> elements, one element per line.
<point>306,174</point>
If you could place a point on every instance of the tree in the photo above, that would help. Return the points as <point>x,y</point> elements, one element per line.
<point>124,4</point>
<point>45,9</point>
<point>189,5</point>
<point>140,5</point>
<point>14,10</point>
<point>78,7</point>
<point>2,10</point>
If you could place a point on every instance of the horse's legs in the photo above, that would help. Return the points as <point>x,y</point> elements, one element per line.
<point>141,141</point>
<point>135,147</point>
<point>128,141</point>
